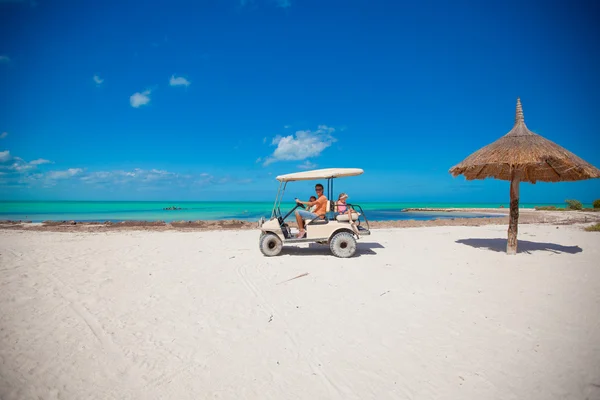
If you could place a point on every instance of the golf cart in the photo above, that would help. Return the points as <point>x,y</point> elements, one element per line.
<point>340,232</point>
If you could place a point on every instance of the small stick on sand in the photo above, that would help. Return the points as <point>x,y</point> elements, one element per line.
<point>296,277</point>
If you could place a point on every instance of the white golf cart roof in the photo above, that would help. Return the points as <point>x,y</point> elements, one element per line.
<point>320,174</point>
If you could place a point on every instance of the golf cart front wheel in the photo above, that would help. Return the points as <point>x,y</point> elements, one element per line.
<point>343,245</point>
<point>270,245</point>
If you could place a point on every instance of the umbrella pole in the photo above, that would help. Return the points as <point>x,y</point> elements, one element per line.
<point>511,246</point>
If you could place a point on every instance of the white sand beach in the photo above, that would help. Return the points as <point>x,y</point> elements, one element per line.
<point>420,313</point>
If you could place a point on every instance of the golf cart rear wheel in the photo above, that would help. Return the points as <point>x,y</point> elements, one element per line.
<point>270,245</point>
<point>343,245</point>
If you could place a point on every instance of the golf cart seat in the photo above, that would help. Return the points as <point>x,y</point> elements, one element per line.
<point>345,218</point>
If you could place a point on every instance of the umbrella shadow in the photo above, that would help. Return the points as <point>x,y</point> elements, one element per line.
<point>315,249</point>
<point>523,246</point>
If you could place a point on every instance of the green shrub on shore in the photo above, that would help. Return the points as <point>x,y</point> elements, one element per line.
<point>574,205</point>
<point>548,208</point>
<point>593,228</point>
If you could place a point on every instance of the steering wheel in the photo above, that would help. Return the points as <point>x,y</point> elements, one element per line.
<point>300,205</point>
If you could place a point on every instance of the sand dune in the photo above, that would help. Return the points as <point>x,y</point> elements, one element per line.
<point>420,313</point>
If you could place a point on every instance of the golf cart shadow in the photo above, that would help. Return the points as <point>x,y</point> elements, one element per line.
<point>524,246</point>
<point>313,249</point>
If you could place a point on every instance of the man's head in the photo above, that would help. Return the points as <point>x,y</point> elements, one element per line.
<point>319,189</point>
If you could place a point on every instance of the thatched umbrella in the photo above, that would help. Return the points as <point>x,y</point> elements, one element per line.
<point>523,156</point>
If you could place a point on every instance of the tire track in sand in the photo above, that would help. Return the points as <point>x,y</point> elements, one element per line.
<point>311,359</point>
<point>120,366</point>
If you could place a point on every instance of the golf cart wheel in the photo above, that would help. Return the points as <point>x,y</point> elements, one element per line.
<point>270,245</point>
<point>343,245</point>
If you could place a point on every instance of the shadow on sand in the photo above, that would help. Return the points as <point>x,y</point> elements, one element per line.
<point>314,249</point>
<point>523,246</point>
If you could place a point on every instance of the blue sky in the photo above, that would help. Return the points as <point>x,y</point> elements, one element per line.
<point>210,100</point>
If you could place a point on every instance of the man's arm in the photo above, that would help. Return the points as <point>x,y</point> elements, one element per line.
<point>308,203</point>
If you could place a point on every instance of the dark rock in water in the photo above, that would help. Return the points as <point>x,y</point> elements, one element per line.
<point>173,208</point>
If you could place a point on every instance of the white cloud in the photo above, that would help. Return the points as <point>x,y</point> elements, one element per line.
<point>179,81</point>
<point>98,80</point>
<point>16,171</point>
<point>286,126</point>
<point>305,144</point>
<point>205,179</point>
<point>3,135</point>
<point>5,156</point>
<point>66,174</point>
<point>17,164</point>
<point>20,166</point>
<point>127,177</point>
<point>95,177</point>
<point>155,178</point>
<point>40,161</point>
<point>307,165</point>
<point>139,99</point>
<point>4,59</point>
<point>157,174</point>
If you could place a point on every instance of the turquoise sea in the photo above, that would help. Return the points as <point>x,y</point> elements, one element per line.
<point>37,211</point>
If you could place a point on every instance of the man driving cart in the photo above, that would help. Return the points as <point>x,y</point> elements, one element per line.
<point>319,212</point>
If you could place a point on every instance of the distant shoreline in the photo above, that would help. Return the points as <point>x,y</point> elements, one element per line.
<point>499,210</point>
<point>527,216</point>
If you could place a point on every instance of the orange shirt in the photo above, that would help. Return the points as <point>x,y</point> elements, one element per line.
<point>321,204</point>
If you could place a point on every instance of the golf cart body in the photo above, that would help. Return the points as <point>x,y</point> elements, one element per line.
<point>340,232</point>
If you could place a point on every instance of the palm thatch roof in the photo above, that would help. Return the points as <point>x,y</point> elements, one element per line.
<point>537,158</point>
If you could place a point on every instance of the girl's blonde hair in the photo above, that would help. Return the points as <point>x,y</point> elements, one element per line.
<point>342,196</point>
